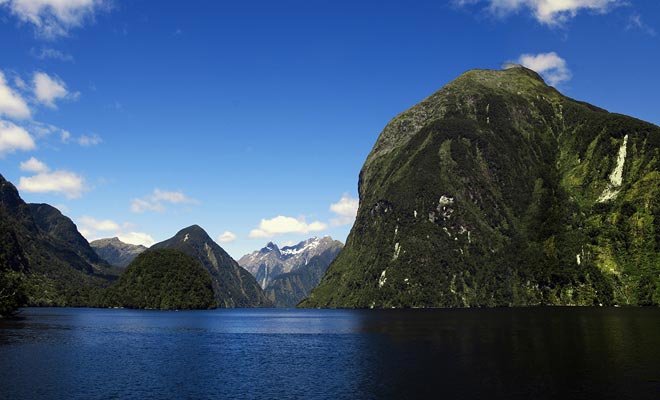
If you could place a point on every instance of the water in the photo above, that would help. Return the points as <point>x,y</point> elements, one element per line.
<point>580,353</point>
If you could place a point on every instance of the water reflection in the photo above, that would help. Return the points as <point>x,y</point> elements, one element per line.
<point>496,353</point>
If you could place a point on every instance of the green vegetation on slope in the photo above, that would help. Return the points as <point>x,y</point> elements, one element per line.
<point>54,263</point>
<point>498,190</point>
<point>163,279</point>
<point>233,286</point>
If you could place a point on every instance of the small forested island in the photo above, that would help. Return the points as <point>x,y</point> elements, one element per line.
<point>163,279</point>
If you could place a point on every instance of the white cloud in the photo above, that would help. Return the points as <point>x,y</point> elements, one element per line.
<point>12,105</point>
<point>550,65</point>
<point>54,18</point>
<point>34,165</point>
<point>93,229</point>
<point>46,53</point>
<point>154,201</point>
<point>281,225</point>
<point>105,225</point>
<point>13,137</point>
<point>227,237</point>
<point>87,141</point>
<point>61,181</point>
<point>346,210</point>
<point>547,12</point>
<point>137,238</point>
<point>48,89</point>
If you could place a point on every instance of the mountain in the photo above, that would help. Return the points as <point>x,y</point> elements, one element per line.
<point>271,261</point>
<point>288,289</point>
<point>164,279</point>
<point>62,230</point>
<point>55,264</point>
<point>116,252</point>
<point>498,190</point>
<point>233,286</point>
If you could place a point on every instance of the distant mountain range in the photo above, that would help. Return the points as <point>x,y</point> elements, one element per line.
<point>116,252</point>
<point>290,273</point>
<point>270,261</point>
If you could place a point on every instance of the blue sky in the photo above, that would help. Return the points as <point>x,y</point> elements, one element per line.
<point>253,118</point>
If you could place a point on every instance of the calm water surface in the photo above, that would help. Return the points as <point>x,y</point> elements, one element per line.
<point>580,353</point>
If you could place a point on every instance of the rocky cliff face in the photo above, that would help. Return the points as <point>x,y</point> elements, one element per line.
<point>498,190</point>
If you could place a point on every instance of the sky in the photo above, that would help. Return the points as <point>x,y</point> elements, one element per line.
<point>252,119</point>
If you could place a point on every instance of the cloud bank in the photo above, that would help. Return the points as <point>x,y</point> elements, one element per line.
<point>281,225</point>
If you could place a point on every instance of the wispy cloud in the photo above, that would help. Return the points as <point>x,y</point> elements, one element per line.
<point>12,104</point>
<point>156,200</point>
<point>91,140</point>
<point>14,137</point>
<point>552,67</point>
<point>48,53</point>
<point>635,22</point>
<point>55,18</point>
<point>226,237</point>
<point>546,12</point>
<point>48,89</point>
<point>281,225</point>
<point>345,209</point>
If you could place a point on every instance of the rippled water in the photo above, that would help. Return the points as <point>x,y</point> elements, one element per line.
<point>331,354</point>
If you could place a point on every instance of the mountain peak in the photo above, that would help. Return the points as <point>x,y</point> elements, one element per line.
<point>232,285</point>
<point>193,232</point>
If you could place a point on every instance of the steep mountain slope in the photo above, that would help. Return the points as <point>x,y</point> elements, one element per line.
<point>288,289</point>
<point>58,266</point>
<point>116,252</point>
<point>499,190</point>
<point>63,231</point>
<point>271,261</point>
<point>164,279</point>
<point>233,286</point>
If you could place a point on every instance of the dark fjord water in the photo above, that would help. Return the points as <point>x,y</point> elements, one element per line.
<point>580,353</point>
